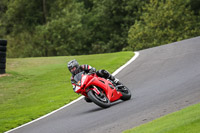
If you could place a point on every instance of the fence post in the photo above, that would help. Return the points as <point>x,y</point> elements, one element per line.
<point>3,49</point>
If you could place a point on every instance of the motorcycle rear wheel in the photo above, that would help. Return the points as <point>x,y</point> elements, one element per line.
<point>126,93</point>
<point>100,100</point>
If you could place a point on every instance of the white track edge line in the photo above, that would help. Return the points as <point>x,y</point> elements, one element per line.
<point>117,71</point>
<point>122,67</point>
<point>45,115</point>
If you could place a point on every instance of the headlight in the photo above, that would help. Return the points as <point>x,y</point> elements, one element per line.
<point>77,88</point>
<point>83,79</point>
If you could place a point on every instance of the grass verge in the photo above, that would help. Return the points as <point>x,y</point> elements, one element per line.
<point>37,86</point>
<point>186,120</point>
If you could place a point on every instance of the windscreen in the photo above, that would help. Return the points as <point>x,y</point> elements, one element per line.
<point>78,77</point>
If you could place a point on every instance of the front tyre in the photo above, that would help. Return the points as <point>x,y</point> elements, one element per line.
<point>100,100</point>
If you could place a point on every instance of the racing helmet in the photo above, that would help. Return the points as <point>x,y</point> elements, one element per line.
<point>73,65</point>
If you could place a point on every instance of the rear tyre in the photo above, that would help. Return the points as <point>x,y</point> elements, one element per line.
<point>126,93</point>
<point>100,100</point>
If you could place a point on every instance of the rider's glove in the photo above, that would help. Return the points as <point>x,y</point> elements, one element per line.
<point>92,70</point>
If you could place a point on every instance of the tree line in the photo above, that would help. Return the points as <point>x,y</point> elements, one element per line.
<point>75,27</point>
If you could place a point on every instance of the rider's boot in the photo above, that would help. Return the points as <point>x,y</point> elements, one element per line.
<point>105,74</point>
<point>115,80</point>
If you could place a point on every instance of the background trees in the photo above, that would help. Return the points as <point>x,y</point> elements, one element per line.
<point>73,27</point>
<point>162,22</point>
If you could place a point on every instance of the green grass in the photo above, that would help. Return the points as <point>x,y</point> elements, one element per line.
<point>184,121</point>
<point>37,86</point>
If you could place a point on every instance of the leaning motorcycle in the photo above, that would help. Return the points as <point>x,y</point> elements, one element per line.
<point>99,90</point>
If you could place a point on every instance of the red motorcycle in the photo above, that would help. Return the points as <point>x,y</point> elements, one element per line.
<point>99,90</point>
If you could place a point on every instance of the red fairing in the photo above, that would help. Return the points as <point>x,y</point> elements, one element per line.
<point>111,94</point>
<point>93,82</point>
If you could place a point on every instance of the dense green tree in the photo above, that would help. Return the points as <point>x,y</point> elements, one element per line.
<point>23,15</point>
<point>54,29</point>
<point>195,6</point>
<point>20,21</point>
<point>73,27</point>
<point>162,22</point>
<point>64,35</point>
<point>109,22</point>
<point>3,9</point>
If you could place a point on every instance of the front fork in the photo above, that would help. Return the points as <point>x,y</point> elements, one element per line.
<point>94,88</point>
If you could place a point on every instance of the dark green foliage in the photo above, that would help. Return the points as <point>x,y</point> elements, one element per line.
<point>74,27</point>
<point>162,22</point>
<point>109,22</point>
<point>195,6</point>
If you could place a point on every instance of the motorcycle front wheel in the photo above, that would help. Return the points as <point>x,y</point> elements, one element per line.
<point>100,100</point>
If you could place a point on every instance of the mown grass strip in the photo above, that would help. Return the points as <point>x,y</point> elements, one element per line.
<point>37,86</point>
<point>186,120</point>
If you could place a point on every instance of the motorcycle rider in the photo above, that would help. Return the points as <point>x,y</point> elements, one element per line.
<point>75,68</point>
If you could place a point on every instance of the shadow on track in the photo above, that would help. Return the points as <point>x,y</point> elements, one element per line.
<point>99,108</point>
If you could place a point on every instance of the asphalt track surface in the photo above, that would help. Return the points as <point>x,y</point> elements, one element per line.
<point>162,80</point>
